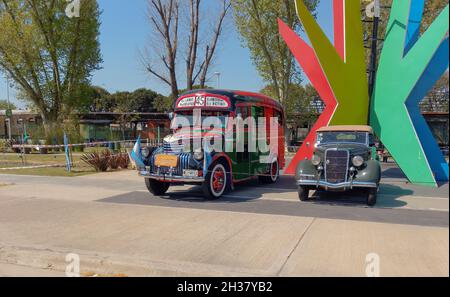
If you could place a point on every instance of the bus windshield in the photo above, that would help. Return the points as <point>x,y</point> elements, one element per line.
<point>187,119</point>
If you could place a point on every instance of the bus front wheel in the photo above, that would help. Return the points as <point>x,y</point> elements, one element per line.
<point>156,187</point>
<point>217,181</point>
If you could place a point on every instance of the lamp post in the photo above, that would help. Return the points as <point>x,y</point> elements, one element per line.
<point>8,111</point>
<point>218,79</point>
<point>374,46</point>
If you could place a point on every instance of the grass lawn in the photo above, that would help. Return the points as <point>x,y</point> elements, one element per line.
<point>11,160</point>
<point>15,160</point>
<point>53,171</point>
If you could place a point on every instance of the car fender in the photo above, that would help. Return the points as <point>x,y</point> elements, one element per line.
<point>305,168</point>
<point>370,173</point>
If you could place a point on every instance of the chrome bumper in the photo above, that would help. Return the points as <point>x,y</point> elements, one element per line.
<point>171,178</point>
<point>345,185</point>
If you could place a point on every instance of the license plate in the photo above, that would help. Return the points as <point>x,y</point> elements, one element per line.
<point>190,173</point>
<point>166,161</point>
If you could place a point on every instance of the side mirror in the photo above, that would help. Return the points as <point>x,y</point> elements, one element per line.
<point>171,115</point>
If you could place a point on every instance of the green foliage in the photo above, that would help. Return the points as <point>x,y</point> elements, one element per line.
<point>163,104</point>
<point>49,56</point>
<point>4,105</point>
<point>300,100</point>
<point>140,100</point>
<point>5,145</point>
<point>432,9</point>
<point>256,21</point>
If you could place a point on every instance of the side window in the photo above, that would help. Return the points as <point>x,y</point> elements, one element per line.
<point>278,115</point>
<point>258,113</point>
<point>372,140</point>
<point>243,110</point>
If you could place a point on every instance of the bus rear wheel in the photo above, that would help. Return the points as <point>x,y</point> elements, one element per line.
<point>273,175</point>
<point>217,181</point>
<point>156,187</point>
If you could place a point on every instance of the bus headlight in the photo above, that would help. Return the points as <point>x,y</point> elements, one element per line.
<point>358,161</point>
<point>145,152</point>
<point>198,155</point>
<point>315,160</point>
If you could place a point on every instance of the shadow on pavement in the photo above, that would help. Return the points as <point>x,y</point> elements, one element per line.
<point>243,192</point>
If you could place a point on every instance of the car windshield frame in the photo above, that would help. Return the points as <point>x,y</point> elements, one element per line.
<point>334,140</point>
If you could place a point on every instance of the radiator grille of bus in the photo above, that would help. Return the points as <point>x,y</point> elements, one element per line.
<point>183,163</point>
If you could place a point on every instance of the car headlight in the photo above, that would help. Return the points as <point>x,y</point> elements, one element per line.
<point>145,152</point>
<point>315,160</point>
<point>358,161</point>
<point>198,155</point>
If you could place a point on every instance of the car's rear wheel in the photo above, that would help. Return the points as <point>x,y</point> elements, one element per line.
<point>217,181</point>
<point>273,175</point>
<point>372,196</point>
<point>156,187</point>
<point>303,193</point>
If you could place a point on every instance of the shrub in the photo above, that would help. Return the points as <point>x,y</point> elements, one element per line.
<point>5,145</point>
<point>124,161</point>
<point>119,161</point>
<point>114,162</point>
<point>100,161</point>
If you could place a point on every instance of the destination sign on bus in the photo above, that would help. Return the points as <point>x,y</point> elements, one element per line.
<point>202,101</point>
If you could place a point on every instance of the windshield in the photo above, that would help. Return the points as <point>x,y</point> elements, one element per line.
<point>341,137</point>
<point>187,119</point>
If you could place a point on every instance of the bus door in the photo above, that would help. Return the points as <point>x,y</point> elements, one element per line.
<point>241,164</point>
<point>256,167</point>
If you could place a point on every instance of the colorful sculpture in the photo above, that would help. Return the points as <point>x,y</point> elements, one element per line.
<point>337,72</point>
<point>409,67</point>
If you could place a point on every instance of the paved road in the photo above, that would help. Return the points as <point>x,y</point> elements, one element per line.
<point>116,226</point>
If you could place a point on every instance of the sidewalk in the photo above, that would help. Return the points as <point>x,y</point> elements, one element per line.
<point>42,220</point>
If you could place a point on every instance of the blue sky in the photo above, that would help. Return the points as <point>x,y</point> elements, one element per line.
<point>125,32</point>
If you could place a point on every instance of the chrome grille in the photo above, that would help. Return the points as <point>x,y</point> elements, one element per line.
<point>336,166</point>
<point>173,148</point>
<point>183,163</point>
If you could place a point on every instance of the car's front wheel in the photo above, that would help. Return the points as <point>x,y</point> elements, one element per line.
<point>372,196</point>
<point>217,181</point>
<point>155,187</point>
<point>303,193</point>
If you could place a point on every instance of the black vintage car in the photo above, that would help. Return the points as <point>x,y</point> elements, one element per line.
<point>344,158</point>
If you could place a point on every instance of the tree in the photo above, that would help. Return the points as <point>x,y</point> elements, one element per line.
<point>437,99</point>
<point>170,32</point>
<point>49,56</point>
<point>300,100</point>
<point>4,105</point>
<point>256,21</point>
<point>431,10</point>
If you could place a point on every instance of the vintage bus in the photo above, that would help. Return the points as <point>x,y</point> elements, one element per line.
<point>191,154</point>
